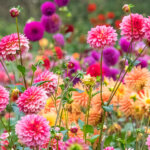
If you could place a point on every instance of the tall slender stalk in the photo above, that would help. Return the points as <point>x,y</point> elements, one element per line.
<point>101,63</point>
<point>21,61</point>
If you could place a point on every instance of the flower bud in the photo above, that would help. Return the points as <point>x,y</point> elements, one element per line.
<point>88,80</point>
<point>14,94</point>
<point>74,129</point>
<point>70,65</point>
<point>58,136</point>
<point>14,12</point>
<point>126,8</point>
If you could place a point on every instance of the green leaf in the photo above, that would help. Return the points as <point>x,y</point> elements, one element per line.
<point>40,62</point>
<point>21,88</point>
<point>108,108</point>
<point>88,129</point>
<point>131,5</point>
<point>81,124</point>
<point>22,69</point>
<point>40,83</point>
<point>136,63</point>
<point>93,138</point>
<point>96,93</point>
<point>34,68</point>
<point>78,90</point>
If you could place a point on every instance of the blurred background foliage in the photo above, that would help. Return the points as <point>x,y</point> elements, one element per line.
<point>77,15</point>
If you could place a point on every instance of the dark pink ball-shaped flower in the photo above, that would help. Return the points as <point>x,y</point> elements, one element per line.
<point>109,148</point>
<point>9,46</point>
<point>48,8</point>
<point>32,100</point>
<point>142,62</point>
<point>51,81</point>
<point>111,56</point>
<point>76,143</point>
<point>59,39</point>
<point>34,31</point>
<point>146,28</point>
<point>33,131</point>
<point>102,36</point>
<point>51,23</point>
<point>132,27</point>
<point>61,3</point>
<point>4,98</point>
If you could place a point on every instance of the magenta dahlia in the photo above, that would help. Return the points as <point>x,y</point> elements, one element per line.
<point>146,28</point>
<point>32,100</point>
<point>51,81</point>
<point>102,36</point>
<point>148,142</point>
<point>109,148</point>
<point>33,130</point>
<point>76,143</point>
<point>132,27</point>
<point>9,46</point>
<point>4,98</point>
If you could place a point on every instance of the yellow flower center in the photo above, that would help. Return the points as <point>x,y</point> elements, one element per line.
<point>148,101</point>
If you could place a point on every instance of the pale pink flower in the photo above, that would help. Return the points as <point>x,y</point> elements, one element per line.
<point>51,81</point>
<point>102,36</point>
<point>9,46</point>
<point>4,98</point>
<point>146,28</point>
<point>33,131</point>
<point>148,142</point>
<point>32,100</point>
<point>109,148</point>
<point>132,27</point>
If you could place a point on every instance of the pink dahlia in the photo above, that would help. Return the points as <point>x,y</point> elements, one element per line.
<point>109,148</point>
<point>33,131</point>
<point>32,100</point>
<point>132,27</point>
<point>102,36</point>
<point>4,98</point>
<point>76,143</point>
<point>148,142</point>
<point>9,46</point>
<point>146,28</point>
<point>51,81</point>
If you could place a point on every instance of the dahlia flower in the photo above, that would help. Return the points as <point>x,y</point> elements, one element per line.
<point>109,148</point>
<point>146,28</point>
<point>88,61</point>
<point>148,142</point>
<point>4,98</point>
<point>32,100</point>
<point>75,143</point>
<point>51,81</point>
<point>102,36</point>
<point>34,31</point>
<point>95,55</point>
<point>132,27</point>
<point>9,46</point>
<point>91,7</point>
<point>143,62</point>
<point>137,78</point>
<point>59,39</point>
<point>111,56</point>
<point>61,3</point>
<point>14,12</point>
<point>51,23</point>
<point>33,131</point>
<point>48,8</point>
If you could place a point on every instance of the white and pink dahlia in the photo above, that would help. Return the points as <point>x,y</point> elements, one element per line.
<point>76,143</point>
<point>132,27</point>
<point>32,100</point>
<point>4,98</point>
<point>102,36</point>
<point>9,46</point>
<point>33,131</point>
<point>146,28</point>
<point>51,81</point>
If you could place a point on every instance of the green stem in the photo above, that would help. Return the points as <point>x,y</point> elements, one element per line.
<point>101,62</point>
<point>3,123</point>
<point>21,61</point>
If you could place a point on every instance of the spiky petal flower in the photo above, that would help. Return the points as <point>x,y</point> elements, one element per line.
<point>4,98</point>
<point>9,46</point>
<point>102,36</point>
<point>32,100</point>
<point>33,130</point>
<point>75,143</point>
<point>132,27</point>
<point>148,142</point>
<point>146,28</point>
<point>50,79</point>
